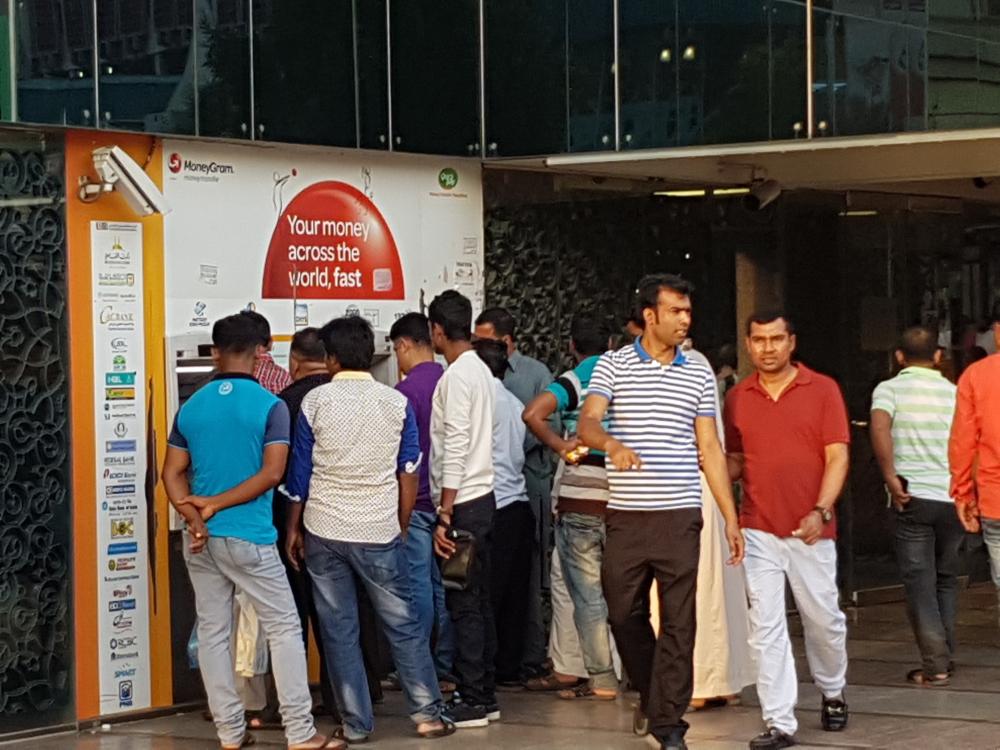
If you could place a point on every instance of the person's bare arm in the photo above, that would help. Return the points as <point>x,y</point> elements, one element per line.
<point>537,415</point>
<point>717,475</point>
<point>408,484</point>
<point>294,540</point>
<point>594,435</point>
<point>834,475</point>
<point>175,482</point>
<point>880,429</point>
<point>271,472</point>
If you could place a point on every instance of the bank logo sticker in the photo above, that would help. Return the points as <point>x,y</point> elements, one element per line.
<point>122,622</point>
<point>175,164</point>
<point>448,178</point>
<point>123,548</point>
<point>116,320</point>
<point>121,605</point>
<point>199,320</point>
<point>122,528</point>
<point>125,693</point>
<point>119,378</point>
<point>121,429</point>
<point>119,345</point>
<point>121,564</point>
<point>119,446</point>
<point>119,394</point>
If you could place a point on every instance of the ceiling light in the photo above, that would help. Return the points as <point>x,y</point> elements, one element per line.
<point>731,191</point>
<point>666,55</point>
<point>858,213</point>
<point>690,52</point>
<point>681,193</point>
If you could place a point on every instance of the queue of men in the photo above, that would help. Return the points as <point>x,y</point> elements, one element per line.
<point>433,504</point>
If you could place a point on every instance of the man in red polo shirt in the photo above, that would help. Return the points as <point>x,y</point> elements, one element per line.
<point>787,438</point>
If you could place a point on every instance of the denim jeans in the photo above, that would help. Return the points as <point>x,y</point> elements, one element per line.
<point>580,539</point>
<point>991,537</point>
<point>224,565</point>
<point>336,569</point>
<point>427,592</point>
<point>471,610</point>
<point>928,538</point>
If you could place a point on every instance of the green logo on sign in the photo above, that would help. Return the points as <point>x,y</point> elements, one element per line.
<point>448,178</point>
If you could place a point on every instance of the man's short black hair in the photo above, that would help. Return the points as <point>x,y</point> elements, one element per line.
<point>494,354</point>
<point>351,341</point>
<point>769,315</point>
<point>412,326</point>
<point>500,318</point>
<point>918,344</point>
<point>635,317</point>
<point>307,345</point>
<point>648,291</point>
<point>588,335</point>
<point>235,334</point>
<point>261,324</point>
<point>453,312</point>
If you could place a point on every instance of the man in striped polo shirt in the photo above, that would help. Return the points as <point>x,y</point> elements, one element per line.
<point>661,410</point>
<point>910,424</point>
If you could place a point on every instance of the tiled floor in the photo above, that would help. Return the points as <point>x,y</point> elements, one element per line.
<point>886,713</point>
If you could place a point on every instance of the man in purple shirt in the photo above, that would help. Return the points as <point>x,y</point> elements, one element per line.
<point>411,340</point>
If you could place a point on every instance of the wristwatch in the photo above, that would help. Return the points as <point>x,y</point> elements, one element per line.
<point>825,513</point>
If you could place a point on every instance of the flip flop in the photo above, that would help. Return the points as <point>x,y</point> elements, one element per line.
<point>919,677</point>
<point>340,734</point>
<point>257,721</point>
<point>584,692</point>
<point>447,729</point>
<point>247,741</point>
<point>341,745</point>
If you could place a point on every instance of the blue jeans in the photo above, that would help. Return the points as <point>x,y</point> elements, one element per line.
<point>336,568</point>
<point>928,539</point>
<point>580,539</point>
<point>427,591</point>
<point>991,537</point>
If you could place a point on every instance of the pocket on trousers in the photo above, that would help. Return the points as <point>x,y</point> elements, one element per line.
<point>384,565</point>
<point>244,554</point>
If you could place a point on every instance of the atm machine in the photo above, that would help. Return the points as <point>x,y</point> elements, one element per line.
<point>189,367</point>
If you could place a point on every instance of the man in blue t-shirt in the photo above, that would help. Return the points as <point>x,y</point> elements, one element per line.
<point>226,453</point>
<point>581,501</point>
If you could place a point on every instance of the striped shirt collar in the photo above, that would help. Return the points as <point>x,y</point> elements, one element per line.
<point>680,358</point>
<point>353,375</point>
<point>921,372</point>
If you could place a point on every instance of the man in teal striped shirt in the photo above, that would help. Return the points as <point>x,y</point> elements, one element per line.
<point>910,424</point>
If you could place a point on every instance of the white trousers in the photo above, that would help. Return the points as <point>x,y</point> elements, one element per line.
<point>564,643</point>
<point>812,574</point>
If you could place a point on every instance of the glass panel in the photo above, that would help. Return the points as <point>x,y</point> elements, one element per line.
<point>223,51</point>
<point>304,71</point>
<point>526,77</point>
<point>953,91</point>
<point>650,64</point>
<point>435,76</point>
<point>55,42</point>
<point>6,66</point>
<point>146,72</point>
<point>786,29</point>
<point>373,77</point>
<point>722,63</point>
<point>590,75</point>
<point>36,624</point>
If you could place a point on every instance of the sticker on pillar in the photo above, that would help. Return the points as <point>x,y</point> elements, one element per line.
<point>332,242</point>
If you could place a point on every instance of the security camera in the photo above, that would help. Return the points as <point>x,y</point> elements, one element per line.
<point>119,172</point>
<point>761,194</point>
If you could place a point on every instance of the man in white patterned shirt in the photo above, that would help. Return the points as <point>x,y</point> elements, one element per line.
<point>354,468</point>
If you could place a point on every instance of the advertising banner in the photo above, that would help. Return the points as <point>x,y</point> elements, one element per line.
<point>304,236</point>
<point>120,427</point>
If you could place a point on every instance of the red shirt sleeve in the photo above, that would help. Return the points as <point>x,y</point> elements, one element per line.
<point>835,426</point>
<point>734,440</point>
<point>963,445</point>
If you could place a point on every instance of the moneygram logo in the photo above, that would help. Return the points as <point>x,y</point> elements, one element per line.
<point>177,164</point>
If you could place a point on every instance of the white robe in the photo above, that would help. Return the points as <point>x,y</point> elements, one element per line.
<point>723,664</point>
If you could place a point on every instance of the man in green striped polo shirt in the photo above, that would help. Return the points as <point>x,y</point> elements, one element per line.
<point>910,423</point>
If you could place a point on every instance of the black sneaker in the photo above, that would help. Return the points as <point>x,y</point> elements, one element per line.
<point>772,739</point>
<point>834,715</point>
<point>464,715</point>
<point>492,710</point>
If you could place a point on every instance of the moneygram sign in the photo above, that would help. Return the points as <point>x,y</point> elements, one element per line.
<point>207,171</point>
